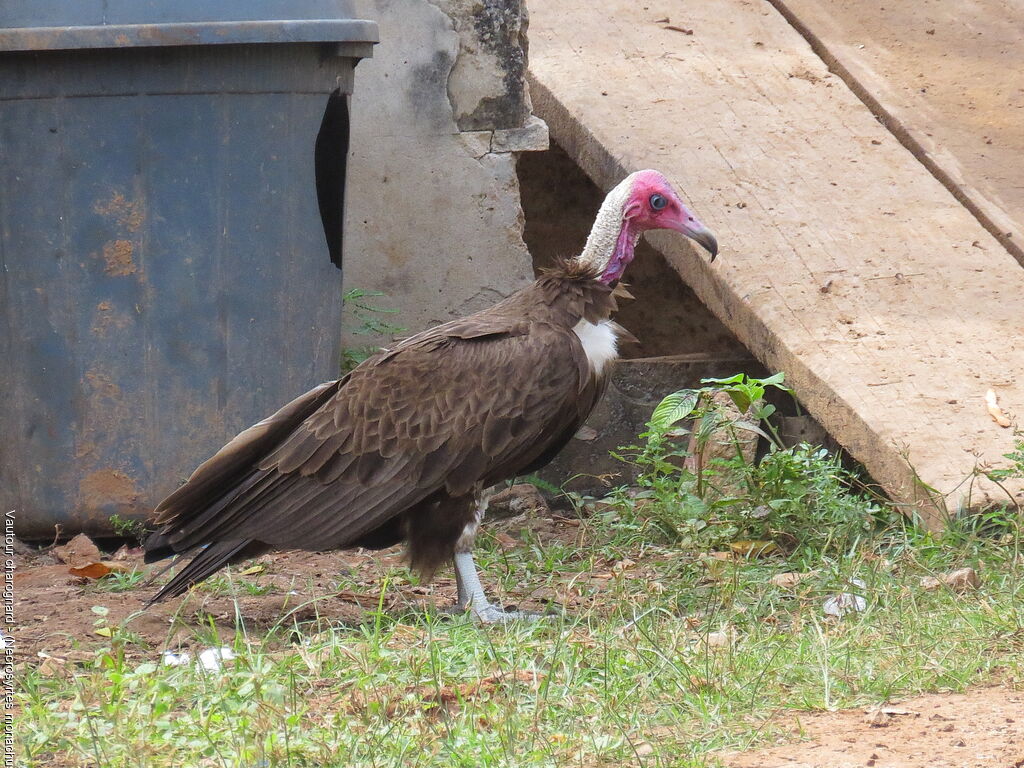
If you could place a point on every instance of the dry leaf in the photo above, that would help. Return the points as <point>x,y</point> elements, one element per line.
<point>754,548</point>
<point>960,580</point>
<point>718,639</point>
<point>99,569</point>
<point>587,434</point>
<point>898,711</point>
<point>449,696</point>
<point>52,667</point>
<point>623,564</point>
<point>505,541</point>
<point>715,562</point>
<point>878,717</point>
<point>994,410</point>
<point>790,580</point>
<point>643,749</point>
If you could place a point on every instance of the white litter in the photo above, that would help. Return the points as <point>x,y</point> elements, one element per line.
<point>846,602</point>
<point>212,659</point>
<point>172,659</point>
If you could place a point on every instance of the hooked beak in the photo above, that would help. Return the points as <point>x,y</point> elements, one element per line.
<point>682,220</point>
<point>704,236</point>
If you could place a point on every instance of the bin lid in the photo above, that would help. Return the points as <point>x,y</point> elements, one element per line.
<point>49,25</point>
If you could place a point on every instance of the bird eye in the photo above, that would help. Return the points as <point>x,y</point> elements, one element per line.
<point>658,202</point>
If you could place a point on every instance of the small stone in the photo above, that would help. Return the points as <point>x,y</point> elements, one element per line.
<point>174,659</point>
<point>876,718</point>
<point>212,659</point>
<point>718,639</point>
<point>78,552</point>
<point>644,748</point>
<point>52,667</point>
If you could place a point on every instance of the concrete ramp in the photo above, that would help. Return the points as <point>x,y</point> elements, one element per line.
<point>844,262</point>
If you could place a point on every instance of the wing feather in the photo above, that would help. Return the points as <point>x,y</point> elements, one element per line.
<point>441,411</point>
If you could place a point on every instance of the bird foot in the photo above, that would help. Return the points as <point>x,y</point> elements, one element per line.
<point>495,614</point>
<point>489,613</point>
<point>473,599</point>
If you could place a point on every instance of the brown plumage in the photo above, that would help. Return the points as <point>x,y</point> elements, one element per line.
<point>403,446</point>
<point>398,448</point>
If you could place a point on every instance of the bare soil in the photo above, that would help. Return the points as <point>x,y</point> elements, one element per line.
<point>54,608</point>
<point>983,728</point>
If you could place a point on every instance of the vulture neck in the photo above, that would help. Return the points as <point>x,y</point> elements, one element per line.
<point>611,242</point>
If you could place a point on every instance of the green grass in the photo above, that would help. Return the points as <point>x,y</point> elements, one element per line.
<point>118,582</point>
<point>667,652</point>
<point>629,678</point>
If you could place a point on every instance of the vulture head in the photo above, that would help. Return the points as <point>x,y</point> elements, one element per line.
<point>643,200</point>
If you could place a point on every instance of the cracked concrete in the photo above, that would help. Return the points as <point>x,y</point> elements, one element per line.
<point>438,115</point>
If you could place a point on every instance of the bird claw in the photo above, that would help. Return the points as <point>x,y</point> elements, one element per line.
<point>493,614</point>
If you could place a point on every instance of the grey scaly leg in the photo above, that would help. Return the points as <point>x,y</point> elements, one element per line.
<point>472,597</point>
<point>471,593</point>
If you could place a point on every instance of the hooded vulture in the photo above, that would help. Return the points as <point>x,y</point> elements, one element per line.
<point>404,446</point>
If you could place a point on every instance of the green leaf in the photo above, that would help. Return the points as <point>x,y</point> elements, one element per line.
<point>740,399</point>
<point>674,408</point>
<point>748,426</point>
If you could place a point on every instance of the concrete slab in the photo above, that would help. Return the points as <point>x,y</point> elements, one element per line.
<point>844,262</point>
<point>945,76</point>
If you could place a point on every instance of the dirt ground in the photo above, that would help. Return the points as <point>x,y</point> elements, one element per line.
<point>54,609</point>
<point>980,729</point>
<point>983,728</point>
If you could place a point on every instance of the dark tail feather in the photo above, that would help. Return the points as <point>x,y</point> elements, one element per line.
<point>206,563</point>
<point>157,547</point>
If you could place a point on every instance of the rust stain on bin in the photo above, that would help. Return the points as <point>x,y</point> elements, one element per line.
<point>106,487</point>
<point>107,319</point>
<point>126,213</point>
<point>118,255</point>
<point>102,384</point>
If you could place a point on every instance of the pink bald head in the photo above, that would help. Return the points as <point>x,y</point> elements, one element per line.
<point>652,203</point>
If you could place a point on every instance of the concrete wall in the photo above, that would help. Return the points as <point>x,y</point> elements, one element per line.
<point>439,113</point>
